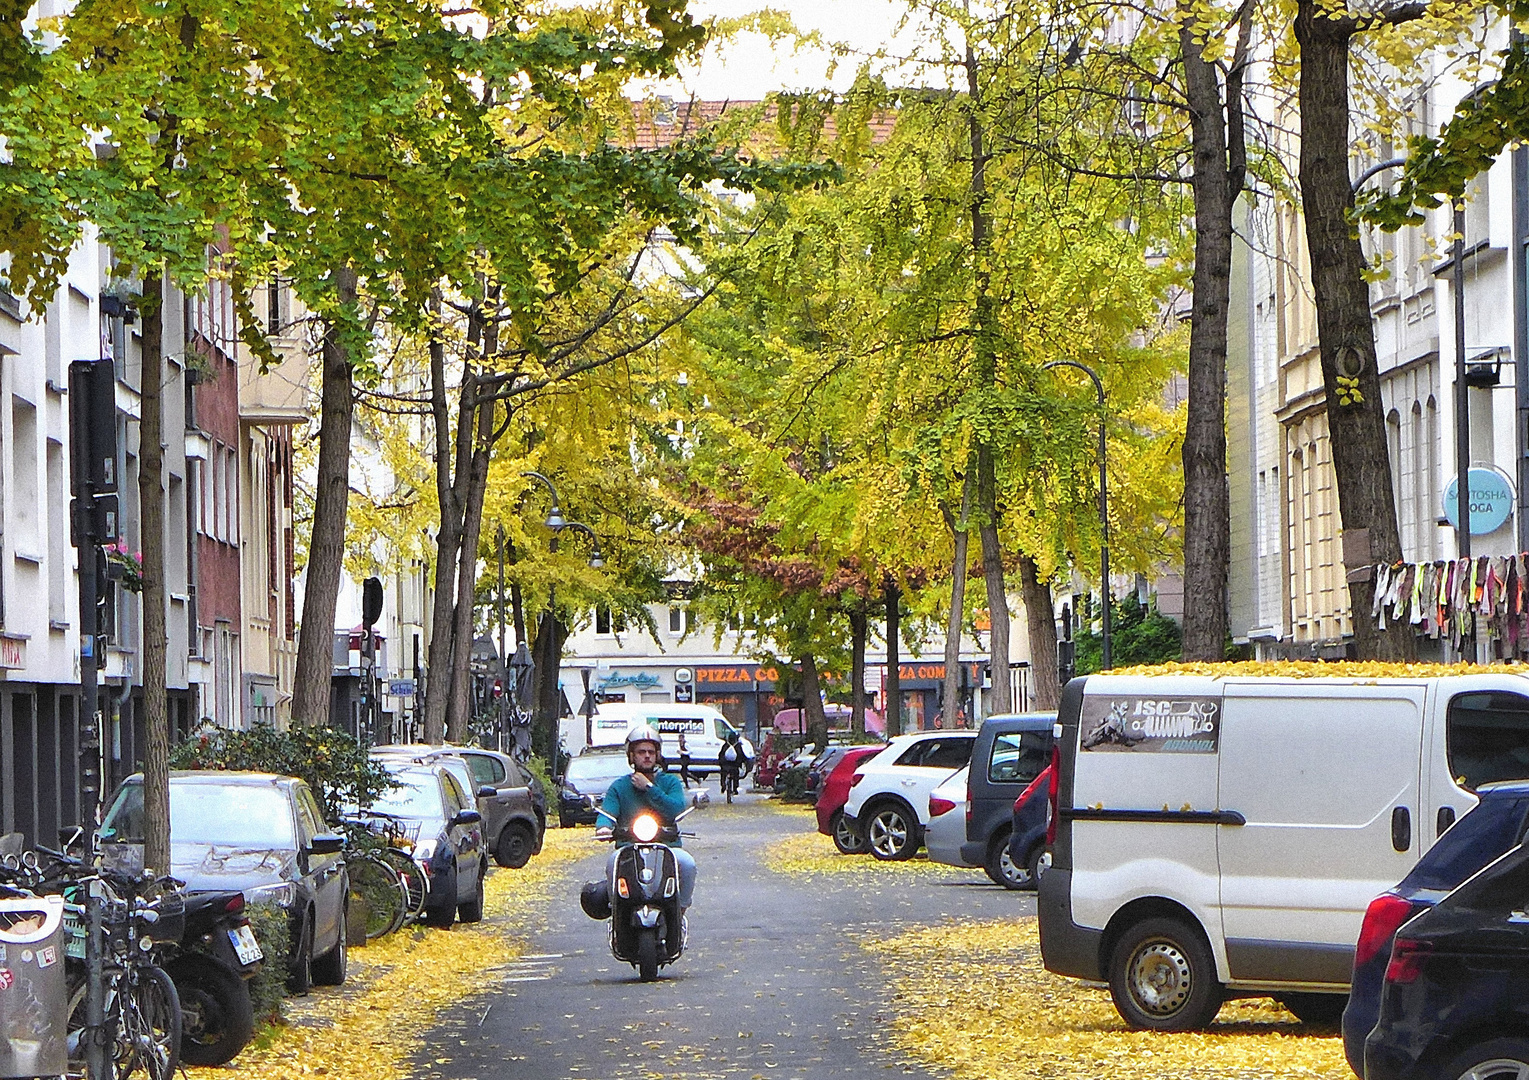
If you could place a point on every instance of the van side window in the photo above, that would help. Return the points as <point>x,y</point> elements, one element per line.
<point>1488,738</point>
<point>1018,757</point>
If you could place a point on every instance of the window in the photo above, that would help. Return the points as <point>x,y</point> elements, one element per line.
<point>1488,738</point>
<point>485,769</point>
<point>1019,757</point>
<point>1482,835</point>
<point>309,820</point>
<point>456,799</point>
<point>602,620</point>
<point>676,619</point>
<point>23,524</point>
<point>947,753</point>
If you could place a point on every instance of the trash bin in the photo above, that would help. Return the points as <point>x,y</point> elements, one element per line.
<point>34,1005</point>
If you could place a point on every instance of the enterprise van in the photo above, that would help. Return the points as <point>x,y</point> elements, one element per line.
<point>1222,836</point>
<point>704,728</point>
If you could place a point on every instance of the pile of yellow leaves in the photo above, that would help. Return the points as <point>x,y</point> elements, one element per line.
<point>398,986</point>
<point>975,999</point>
<point>810,854</point>
<point>1315,669</point>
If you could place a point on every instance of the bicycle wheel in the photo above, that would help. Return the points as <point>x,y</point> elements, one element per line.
<point>151,1019</point>
<point>379,886</point>
<point>415,885</point>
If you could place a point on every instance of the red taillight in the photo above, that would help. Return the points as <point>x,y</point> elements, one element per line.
<point>1055,768</point>
<point>853,780</point>
<point>234,904</point>
<point>1407,957</point>
<point>938,806</point>
<point>1382,919</point>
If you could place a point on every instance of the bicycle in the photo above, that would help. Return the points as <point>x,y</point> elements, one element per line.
<point>383,872</point>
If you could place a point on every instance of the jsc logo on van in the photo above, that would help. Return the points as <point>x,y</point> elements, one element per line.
<point>1149,725</point>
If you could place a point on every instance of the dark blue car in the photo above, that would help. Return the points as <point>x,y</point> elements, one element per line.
<point>1495,825</point>
<point>1031,823</point>
<point>1456,997</point>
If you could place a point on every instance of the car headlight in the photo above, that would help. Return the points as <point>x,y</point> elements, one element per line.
<point>282,894</point>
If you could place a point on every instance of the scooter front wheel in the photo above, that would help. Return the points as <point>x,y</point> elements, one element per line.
<point>647,954</point>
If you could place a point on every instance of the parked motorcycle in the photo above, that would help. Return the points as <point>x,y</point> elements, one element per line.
<point>641,899</point>
<point>217,956</point>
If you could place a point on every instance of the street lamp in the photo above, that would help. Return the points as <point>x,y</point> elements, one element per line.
<point>1104,507</point>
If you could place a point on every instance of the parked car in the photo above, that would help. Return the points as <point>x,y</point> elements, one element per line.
<point>511,800</point>
<point>583,784</point>
<point>889,794</point>
<point>1223,821</point>
<point>1011,750</point>
<point>1030,826</point>
<point>430,802</point>
<point>263,835</point>
<point>1496,824</point>
<point>1456,1000</point>
<point>945,836</point>
<point>831,800</point>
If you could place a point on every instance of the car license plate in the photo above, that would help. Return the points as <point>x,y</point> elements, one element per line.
<point>245,945</point>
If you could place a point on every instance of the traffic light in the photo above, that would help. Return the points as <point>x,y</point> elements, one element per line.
<point>93,427</point>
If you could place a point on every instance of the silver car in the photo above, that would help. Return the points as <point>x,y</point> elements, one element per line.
<point>947,820</point>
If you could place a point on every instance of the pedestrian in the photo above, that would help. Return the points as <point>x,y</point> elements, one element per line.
<point>684,762</point>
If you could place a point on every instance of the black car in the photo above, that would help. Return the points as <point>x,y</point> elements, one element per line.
<point>263,835</point>
<point>431,804</point>
<point>583,785</point>
<point>1493,826</point>
<point>1010,752</point>
<point>511,800</point>
<point>1456,999</point>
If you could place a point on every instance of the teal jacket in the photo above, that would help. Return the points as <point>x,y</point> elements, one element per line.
<point>623,802</point>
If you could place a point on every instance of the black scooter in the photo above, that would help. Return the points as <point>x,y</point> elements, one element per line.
<point>217,956</point>
<point>642,899</point>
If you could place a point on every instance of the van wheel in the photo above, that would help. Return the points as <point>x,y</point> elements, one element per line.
<point>1320,1009</point>
<point>1002,868</point>
<point>891,833</point>
<point>1163,978</point>
<point>1038,862</point>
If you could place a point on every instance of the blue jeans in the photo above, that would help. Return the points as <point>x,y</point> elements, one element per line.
<point>684,862</point>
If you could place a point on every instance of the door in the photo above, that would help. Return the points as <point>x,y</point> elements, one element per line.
<point>925,764</point>
<point>325,873</point>
<point>1327,780</point>
<point>464,838</point>
<point>1484,737</point>
<point>488,771</point>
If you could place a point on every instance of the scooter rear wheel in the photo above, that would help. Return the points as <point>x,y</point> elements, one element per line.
<point>647,954</point>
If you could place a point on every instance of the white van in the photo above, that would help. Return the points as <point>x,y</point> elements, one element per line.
<point>1223,836</point>
<point>704,727</point>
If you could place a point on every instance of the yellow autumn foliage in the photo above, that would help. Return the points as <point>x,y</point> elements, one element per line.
<point>813,854</point>
<point>1316,669</point>
<point>398,986</point>
<point>975,1000</point>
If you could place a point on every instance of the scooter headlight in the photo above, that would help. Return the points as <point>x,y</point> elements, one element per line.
<point>645,828</point>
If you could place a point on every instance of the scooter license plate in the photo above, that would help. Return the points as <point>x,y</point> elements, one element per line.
<point>246,948</point>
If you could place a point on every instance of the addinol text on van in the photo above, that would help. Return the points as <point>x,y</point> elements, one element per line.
<point>1221,837</point>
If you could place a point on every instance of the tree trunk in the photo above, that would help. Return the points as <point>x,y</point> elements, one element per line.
<point>1357,430</point>
<point>459,711</point>
<point>1040,620</point>
<point>151,518</point>
<point>1001,697</point>
<point>812,702</point>
<point>548,653</point>
<point>1217,183</point>
<point>951,691</point>
<point>893,686</point>
<point>326,552</point>
<point>859,630</point>
<point>451,478</point>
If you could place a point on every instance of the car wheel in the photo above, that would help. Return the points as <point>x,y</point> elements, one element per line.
<point>1002,868</point>
<point>1038,863</point>
<point>1504,1058</point>
<point>891,833</point>
<point>300,967</point>
<point>1163,978</point>
<point>1319,1009</point>
<point>565,822</point>
<point>515,843</point>
<point>472,911</point>
<point>442,915</point>
<point>329,969</point>
<point>847,836</point>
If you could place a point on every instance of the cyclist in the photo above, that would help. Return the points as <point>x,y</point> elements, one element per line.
<point>733,763</point>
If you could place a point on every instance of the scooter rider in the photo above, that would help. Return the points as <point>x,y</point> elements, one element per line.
<point>645,788</point>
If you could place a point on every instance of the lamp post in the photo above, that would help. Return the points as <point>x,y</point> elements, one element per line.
<point>1104,509</point>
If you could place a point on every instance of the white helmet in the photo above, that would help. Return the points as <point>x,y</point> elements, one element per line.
<point>644,732</point>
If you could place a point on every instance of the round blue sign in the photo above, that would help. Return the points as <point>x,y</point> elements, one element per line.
<point>1491,501</point>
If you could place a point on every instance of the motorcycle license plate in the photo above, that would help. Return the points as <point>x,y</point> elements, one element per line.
<point>246,948</point>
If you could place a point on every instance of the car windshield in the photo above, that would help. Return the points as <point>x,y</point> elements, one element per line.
<point>229,815</point>
<point>417,795</point>
<point>1476,839</point>
<point>597,767</point>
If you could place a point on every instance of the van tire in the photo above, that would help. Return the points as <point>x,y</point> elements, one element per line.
<point>1163,977</point>
<point>1038,862</point>
<point>892,831</point>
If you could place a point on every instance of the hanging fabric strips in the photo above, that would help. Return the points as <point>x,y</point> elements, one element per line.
<point>1439,598</point>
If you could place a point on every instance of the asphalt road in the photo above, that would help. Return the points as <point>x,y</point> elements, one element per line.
<point>774,984</point>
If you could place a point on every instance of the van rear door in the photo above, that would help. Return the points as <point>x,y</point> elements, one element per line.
<point>1326,777</point>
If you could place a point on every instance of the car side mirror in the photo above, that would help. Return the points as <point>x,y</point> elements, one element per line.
<point>326,844</point>
<point>488,791</point>
<point>467,817</point>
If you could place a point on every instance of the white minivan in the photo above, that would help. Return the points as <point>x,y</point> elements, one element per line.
<point>704,728</point>
<point>1221,837</point>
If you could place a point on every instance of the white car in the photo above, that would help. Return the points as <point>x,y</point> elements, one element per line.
<point>889,795</point>
<point>946,831</point>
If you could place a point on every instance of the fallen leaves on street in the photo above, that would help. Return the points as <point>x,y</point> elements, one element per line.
<point>813,853</point>
<point>399,985</point>
<point>975,999</point>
